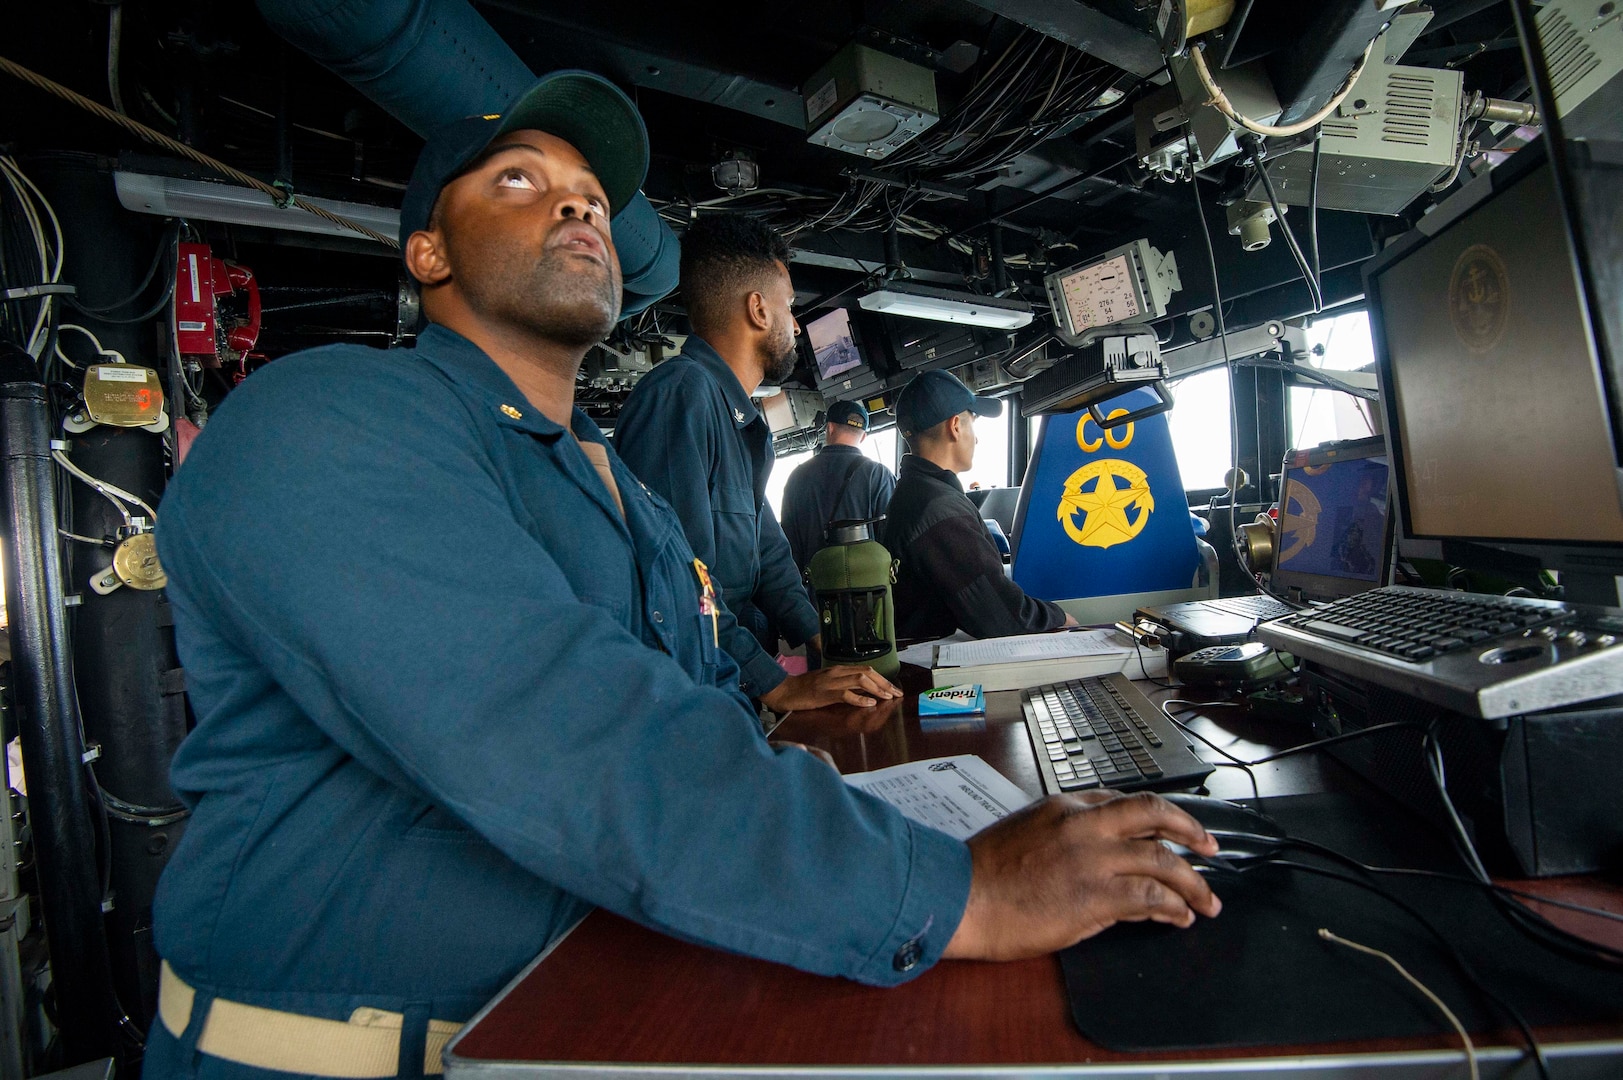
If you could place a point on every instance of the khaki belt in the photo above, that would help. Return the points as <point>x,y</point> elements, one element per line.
<point>365,1047</point>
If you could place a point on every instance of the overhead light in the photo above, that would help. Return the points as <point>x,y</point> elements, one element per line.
<point>914,301</point>
<point>169,196</point>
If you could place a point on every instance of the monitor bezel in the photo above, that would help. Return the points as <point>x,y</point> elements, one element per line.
<point>1501,179</point>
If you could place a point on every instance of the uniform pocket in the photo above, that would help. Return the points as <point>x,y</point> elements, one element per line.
<point>737,558</point>
<point>616,609</point>
<point>432,823</point>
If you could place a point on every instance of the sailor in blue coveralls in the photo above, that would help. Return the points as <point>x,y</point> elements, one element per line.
<point>457,679</point>
<point>691,431</point>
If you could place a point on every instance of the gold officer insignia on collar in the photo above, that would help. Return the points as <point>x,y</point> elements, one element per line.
<point>514,413</point>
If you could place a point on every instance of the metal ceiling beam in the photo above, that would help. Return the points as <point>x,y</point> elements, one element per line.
<point>864,253</point>
<point>1075,23</point>
<point>696,82</point>
<point>634,64</point>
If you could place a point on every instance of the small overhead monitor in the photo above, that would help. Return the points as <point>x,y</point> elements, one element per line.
<point>839,357</point>
<point>1124,286</point>
<point>833,344</point>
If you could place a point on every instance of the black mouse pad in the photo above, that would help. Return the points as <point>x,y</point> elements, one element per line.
<point>1259,973</point>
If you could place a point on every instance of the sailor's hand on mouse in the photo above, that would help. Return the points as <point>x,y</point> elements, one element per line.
<point>1067,867</point>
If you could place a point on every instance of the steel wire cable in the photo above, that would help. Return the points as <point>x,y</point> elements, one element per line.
<point>282,198</point>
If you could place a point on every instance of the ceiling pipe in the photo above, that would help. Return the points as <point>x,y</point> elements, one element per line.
<point>428,62</point>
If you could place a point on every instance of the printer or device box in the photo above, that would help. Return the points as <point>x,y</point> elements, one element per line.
<point>1539,792</point>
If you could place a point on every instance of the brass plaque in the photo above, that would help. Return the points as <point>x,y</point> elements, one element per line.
<point>135,561</point>
<point>123,395</point>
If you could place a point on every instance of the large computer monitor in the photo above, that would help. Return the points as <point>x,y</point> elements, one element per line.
<point>1497,420</point>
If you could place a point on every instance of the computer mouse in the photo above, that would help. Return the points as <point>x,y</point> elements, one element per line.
<point>1244,836</point>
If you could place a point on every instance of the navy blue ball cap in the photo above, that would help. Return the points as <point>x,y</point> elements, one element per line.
<point>849,413</point>
<point>585,110</point>
<point>934,396</point>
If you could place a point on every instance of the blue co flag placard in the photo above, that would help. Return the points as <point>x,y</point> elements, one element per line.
<point>1105,511</point>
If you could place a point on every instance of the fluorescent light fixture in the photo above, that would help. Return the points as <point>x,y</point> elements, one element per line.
<point>914,301</point>
<point>169,196</point>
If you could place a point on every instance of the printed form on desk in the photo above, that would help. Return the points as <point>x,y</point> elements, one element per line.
<point>959,795</point>
<point>1023,648</point>
<point>923,654</point>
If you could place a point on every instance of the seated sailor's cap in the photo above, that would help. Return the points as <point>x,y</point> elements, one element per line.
<point>934,396</point>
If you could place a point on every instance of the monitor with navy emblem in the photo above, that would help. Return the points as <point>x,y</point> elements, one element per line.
<point>1502,446</point>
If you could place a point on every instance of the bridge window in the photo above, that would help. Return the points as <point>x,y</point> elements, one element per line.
<point>1324,415</point>
<point>1200,420</point>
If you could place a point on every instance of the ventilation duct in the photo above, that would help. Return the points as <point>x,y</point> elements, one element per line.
<point>428,62</point>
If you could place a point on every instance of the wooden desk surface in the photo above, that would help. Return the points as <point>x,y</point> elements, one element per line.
<point>614,992</point>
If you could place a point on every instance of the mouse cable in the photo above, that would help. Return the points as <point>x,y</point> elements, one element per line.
<point>1531,923</point>
<point>1450,951</point>
<point>1534,925</point>
<point>1256,792</point>
<point>1442,1007</point>
<point>1233,762</point>
<point>1443,875</point>
<point>1308,747</point>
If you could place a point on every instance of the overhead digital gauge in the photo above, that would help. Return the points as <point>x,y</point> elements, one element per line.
<point>1128,285</point>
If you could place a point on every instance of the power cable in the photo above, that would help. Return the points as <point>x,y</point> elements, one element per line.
<point>116,495</point>
<point>1313,207</point>
<point>101,350</point>
<point>32,202</point>
<point>1285,230</point>
<point>159,257</point>
<point>1449,949</point>
<point>1219,100</point>
<point>1228,363</point>
<point>1305,748</point>
<point>1459,1028</point>
<point>1531,923</point>
<point>115,34</point>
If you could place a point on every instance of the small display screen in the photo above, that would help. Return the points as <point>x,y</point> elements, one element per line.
<point>1332,520</point>
<point>833,345</point>
<point>1100,295</point>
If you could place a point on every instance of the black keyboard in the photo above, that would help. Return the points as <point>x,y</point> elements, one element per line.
<point>1416,625</point>
<point>1102,732</point>
<point>1253,607</point>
